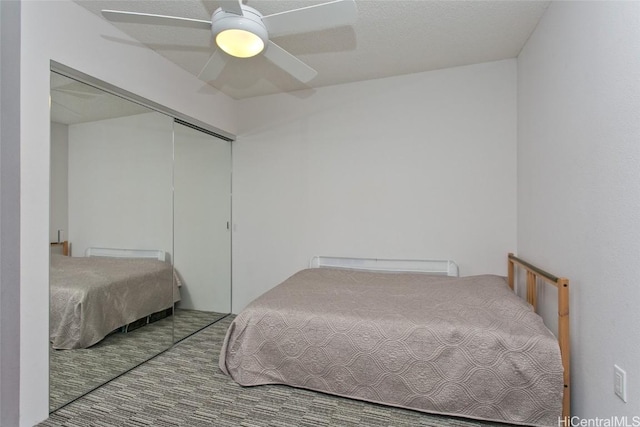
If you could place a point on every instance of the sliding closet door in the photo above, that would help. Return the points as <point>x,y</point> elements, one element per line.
<point>111,188</point>
<point>202,235</point>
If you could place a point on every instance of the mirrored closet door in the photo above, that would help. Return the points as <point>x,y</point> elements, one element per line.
<point>202,235</point>
<point>123,286</point>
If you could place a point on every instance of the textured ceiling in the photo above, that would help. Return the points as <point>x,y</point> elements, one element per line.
<point>390,38</point>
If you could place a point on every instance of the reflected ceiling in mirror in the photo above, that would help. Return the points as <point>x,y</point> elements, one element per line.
<point>73,102</point>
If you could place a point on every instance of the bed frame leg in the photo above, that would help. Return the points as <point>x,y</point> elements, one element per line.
<point>564,340</point>
<point>510,272</point>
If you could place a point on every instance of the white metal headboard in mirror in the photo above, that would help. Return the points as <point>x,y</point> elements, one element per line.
<point>125,253</point>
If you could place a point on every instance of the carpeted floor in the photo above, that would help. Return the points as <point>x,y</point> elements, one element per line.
<point>184,387</point>
<point>75,372</point>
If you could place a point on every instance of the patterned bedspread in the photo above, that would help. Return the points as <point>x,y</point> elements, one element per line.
<point>458,346</point>
<point>90,297</point>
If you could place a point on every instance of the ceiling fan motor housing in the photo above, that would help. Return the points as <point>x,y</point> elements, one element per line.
<point>250,21</point>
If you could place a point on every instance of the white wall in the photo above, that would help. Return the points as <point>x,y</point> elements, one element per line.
<point>59,194</point>
<point>579,185</point>
<point>9,212</point>
<point>417,166</point>
<point>120,184</point>
<point>67,33</point>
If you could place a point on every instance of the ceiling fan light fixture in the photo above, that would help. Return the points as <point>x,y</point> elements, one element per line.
<point>240,36</point>
<point>239,43</point>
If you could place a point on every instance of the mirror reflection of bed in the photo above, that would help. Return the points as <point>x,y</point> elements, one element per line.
<point>98,307</point>
<point>140,252</point>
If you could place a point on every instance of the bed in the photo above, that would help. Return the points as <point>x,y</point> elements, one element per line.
<point>412,336</point>
<point>92,296</point>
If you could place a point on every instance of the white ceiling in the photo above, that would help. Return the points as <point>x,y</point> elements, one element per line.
<point>390,38</point>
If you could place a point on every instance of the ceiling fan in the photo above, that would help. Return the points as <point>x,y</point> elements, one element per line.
<point>242,31</point>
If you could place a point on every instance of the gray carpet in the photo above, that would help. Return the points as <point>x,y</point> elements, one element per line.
<point>184,387</point>
<point>186,322</point>
<point>76,372</point>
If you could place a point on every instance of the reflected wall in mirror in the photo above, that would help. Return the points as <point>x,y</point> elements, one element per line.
<point>111,188</point>
<point>202,238</point>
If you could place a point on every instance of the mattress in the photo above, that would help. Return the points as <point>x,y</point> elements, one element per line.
<point>455,346</point>
<point>90,297</point>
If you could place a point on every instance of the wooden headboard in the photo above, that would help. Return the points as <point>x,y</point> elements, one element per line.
<point>562,284</point>
<point>64,245</point>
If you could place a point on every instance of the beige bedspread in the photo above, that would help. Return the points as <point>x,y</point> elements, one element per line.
<point>460,346</point>
<point>90,297</point>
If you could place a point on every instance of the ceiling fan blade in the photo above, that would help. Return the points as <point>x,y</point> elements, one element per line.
<point>231,6</point>
<point>289,63</point>
<point>213,67</point>
<point>149,18</point>
<point>311,18</point>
